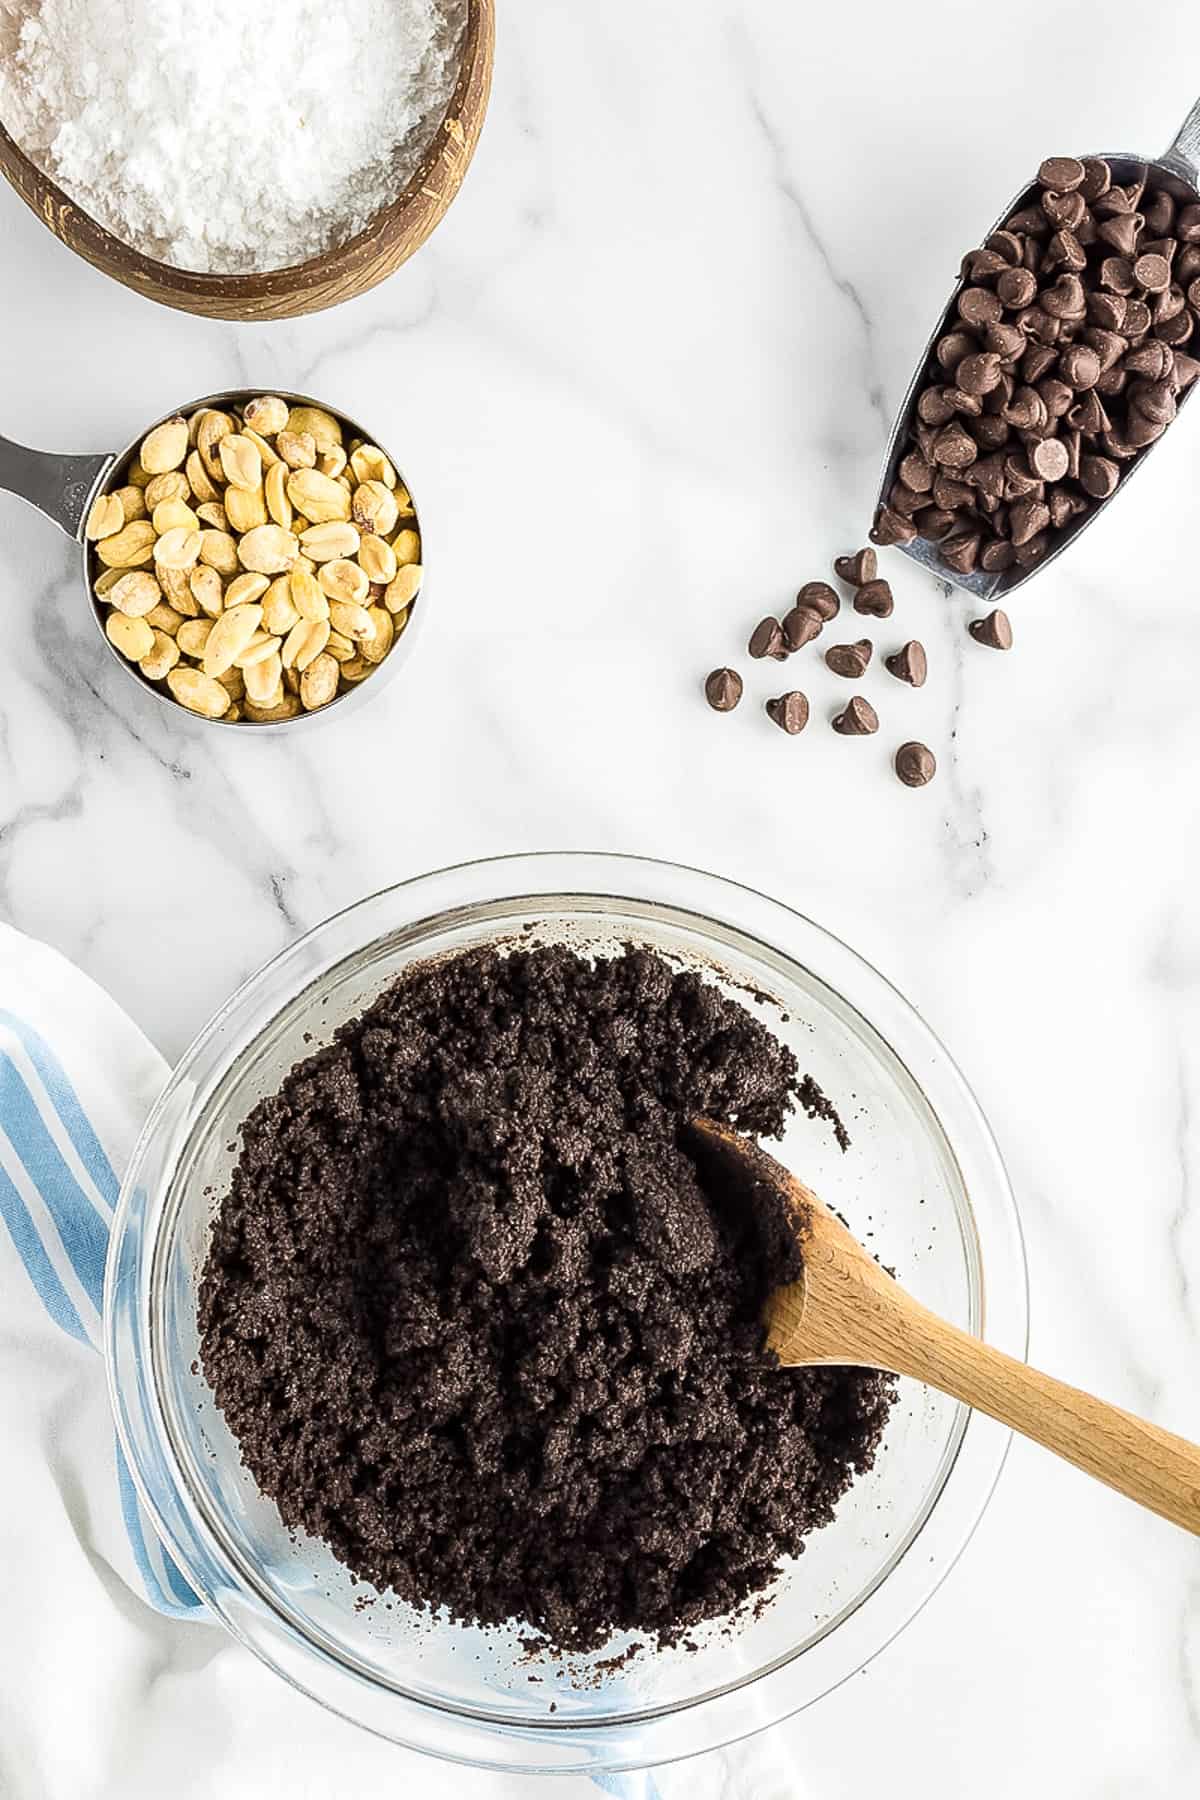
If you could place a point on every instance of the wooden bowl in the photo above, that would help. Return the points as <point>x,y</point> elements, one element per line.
<point>326,280</point>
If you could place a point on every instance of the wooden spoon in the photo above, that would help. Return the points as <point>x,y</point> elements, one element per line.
<point>845,1309</point>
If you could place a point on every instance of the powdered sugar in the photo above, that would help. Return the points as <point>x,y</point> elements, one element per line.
<point>239,135</point>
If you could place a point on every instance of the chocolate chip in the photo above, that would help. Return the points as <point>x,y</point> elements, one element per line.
<point>1153,360</point>
<point>1109,346</point>
<point>1106,310</point>
<point>1168,304</point>
<point>1008,245</point>
<point>723,689</point>
<point>908,663</point>
<point>1079,366</point>
<point>1122,232</point>
<point>1066,299</point>
<point>892,528</point>
<point>1017,287</point>
<point>1065,210</point>
<point>1048,459</point>
<point>916,765</point>
<point>960,551</point>
<point>1141,431</point>
<point>935,522</point>
<point>979,374</point>
<point>1064,251</point>
<point>1153,273</point>
<point>997,557</point>
<point>951,349</point>
<point>1004,340</point>
<point>858,720</point>
<point>857,569</point>
<point>1155,399</point>
<point>954,448</point>
<point>982,265</point>
<point>951,494</point>
<point>1098,475</point>
<point>789,712</point>
<point>1025,519</point>
<point>875,599</point>
<point>801,626</point>
<point>1056,396</point>
<point>850,660</point>
<point>767,639</point>
<point>1176,331</point>
<point>1029,221</point>
<point>820,598</point>
<point>995,631</point>
<point>1097,178</point>
<point>979,306</point>
<point>1116,273</point>
<point>1062,173</point>
<point>1089,416</point>
<point>934,407</point>
<point>915,472</point>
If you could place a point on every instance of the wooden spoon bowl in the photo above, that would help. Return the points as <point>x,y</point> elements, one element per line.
<point>846,1310</point>
<point>324,280</point>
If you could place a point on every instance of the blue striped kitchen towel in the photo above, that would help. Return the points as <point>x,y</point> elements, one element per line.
<point>77,1081</point>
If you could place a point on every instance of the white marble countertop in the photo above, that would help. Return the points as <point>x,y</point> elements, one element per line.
<point>641,379</point>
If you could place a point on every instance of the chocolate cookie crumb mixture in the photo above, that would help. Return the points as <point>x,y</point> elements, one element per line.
<point>475,1323</point>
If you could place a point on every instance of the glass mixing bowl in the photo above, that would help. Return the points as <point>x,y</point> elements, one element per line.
<point>922,1183</point>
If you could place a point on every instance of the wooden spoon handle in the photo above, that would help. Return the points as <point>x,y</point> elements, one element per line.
<point>1150,1465</point>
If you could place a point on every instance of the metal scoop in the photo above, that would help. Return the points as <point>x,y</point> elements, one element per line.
<point>64,488</point>
<point>1178,170</point>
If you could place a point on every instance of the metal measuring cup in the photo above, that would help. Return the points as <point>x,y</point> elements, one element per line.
<point>1178,169</point>
<point>64,488</point>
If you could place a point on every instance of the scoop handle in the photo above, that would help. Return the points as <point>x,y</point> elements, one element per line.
<point>59,486</point>
<point>1138,1459</point>
<point>1182,155</point>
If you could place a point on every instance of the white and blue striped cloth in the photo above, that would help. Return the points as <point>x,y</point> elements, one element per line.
<point>77,1080</point>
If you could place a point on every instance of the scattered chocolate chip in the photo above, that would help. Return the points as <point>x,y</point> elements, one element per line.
<point>875,599</point>
<point>801,626</point>
<point>820,598</point>
<point>916,765</point>
<point>723,689</point>
<point>859,568</point>
<point>995,631</point>
<point>908,663</point>
<point>850,660</point>
<point>767,639</point>
<point>789,712</point>
<point>858,720</point>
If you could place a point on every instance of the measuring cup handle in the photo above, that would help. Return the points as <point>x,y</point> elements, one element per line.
<point>1183,154</point>
<point>59,486</point>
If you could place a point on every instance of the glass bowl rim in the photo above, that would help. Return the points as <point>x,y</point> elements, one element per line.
<point>765,1695</point>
